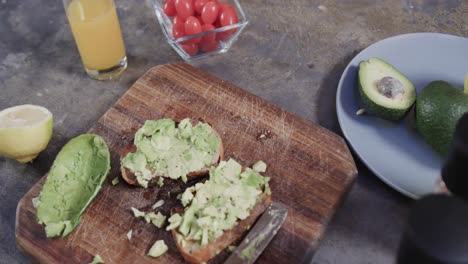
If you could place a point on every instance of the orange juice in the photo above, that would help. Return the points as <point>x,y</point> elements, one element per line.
<point>96,29</point>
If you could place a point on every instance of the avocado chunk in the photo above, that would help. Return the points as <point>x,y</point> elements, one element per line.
<point>384,90</point>
<point>158,248</point>
<point>439,107</point>
<point>97,260</point>
<point>75,178</point>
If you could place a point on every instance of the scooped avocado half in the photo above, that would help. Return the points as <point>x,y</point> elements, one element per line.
<point>75,178</point>
<point>384,90</point>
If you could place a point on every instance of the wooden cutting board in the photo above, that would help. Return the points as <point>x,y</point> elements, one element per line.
<point>311,171</point>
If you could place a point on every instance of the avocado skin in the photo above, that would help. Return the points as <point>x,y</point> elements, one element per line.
<point>380,111</point>
<point>438,108</point>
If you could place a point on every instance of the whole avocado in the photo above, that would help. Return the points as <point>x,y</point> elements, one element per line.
<point>438,108</point>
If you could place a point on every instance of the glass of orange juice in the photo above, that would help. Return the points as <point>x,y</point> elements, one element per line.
<point>97,34</point>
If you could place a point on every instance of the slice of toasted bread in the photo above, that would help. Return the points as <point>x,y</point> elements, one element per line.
<point>130,177</point>
<point>193,252</point>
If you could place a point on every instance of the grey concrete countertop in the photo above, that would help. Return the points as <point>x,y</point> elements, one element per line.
<point>292,54</point>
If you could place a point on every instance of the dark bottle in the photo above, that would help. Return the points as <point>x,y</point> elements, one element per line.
<point>437,232</point>
<point>455,169</point>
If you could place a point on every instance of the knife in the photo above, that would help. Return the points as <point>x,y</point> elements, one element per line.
<point>260,235</point>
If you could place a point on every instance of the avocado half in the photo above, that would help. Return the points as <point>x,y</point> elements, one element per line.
<point>371,73</point>
<point>75,178</point>
<point>439,107</point>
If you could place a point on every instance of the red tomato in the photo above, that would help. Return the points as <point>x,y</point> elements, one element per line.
<point>225,35</point>
<point>209,46</point>
<point>210,37</point>
<point>192,27</point>
<point>184,8</point>
<point>210,12</point>
<point>177,20</point>
<point>216,24</point>
<point>198,4</point>
<point>228,16</point>
<point>191,49</point>
<point>178,30</point>
<point>169,8</point>
<point>222,5</point>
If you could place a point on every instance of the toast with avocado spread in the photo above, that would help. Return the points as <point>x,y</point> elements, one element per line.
<point>163,149</point>
<point>220,210</point>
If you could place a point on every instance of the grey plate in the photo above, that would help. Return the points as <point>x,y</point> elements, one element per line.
<point>395,152</point>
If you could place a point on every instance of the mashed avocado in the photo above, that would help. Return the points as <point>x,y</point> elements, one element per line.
<point>217,204</point>
<point>166,150</point>
<point>73,181</point>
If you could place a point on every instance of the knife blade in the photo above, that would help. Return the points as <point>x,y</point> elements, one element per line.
<point>260,235</point>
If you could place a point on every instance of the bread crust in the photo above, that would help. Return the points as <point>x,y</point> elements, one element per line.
<point>131,179</point>
<point>193,252</point>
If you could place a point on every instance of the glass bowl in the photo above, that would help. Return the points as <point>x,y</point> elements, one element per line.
<point>225,36</point>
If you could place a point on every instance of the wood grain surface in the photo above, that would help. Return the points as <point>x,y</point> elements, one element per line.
<point>311,171</point>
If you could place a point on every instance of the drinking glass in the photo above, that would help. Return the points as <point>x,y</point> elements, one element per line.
<point>97,34</point>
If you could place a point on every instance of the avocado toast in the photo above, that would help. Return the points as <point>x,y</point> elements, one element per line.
<point>219,211</point>
<point>163,149</point>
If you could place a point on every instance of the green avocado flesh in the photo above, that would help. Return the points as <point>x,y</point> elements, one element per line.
<point>384,90</point>
<point>438,109</point>
<point>75,178</point>
<point>158,248</point>
<point>169,151</point>
<point>217,204</point>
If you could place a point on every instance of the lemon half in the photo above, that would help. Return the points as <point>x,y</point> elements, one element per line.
<point>25,130</point>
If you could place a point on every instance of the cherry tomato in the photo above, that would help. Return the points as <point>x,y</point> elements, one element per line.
<point>177,20</point>
<point>184,8</point>
<point>198,5</point>
<point>210,37</point>
<point>222,5</point>
<point>225,35</point>
<point>209,46</point>
<point>178,30</point>
<point>216,24</point>
<point>191,49</point>
<point>210,12</point>
<point>169,8</point>
<point>228,16</point>
<point>192,27</point>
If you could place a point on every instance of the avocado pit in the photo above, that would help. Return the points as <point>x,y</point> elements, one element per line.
<point>390,87</point>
